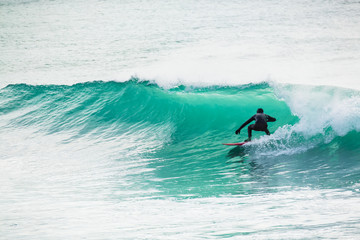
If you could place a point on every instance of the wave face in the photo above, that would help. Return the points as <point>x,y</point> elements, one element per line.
<point>183,127</point>
<point>134,147</point>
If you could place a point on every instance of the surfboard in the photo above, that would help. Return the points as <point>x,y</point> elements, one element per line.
<point>234,144</point>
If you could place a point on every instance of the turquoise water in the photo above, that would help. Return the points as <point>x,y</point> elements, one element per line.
<point>113,115</point>
<point>96,148</point>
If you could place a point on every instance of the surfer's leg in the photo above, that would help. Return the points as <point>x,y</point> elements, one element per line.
<point>250,128</point>
<point>267,131</point>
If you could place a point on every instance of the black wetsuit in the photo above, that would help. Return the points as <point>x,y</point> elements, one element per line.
<point>261,120</point>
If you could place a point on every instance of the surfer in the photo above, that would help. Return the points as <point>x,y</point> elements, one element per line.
<point>261,120</point>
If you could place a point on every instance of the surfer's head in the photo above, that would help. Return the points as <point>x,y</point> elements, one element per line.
<point>260,110</point>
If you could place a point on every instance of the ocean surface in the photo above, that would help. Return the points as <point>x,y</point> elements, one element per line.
<point>113,114</point>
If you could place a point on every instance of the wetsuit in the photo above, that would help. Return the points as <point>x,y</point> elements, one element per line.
<point>261,120</point>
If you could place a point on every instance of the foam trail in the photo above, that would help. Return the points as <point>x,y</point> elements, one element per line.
<point>210,64</point>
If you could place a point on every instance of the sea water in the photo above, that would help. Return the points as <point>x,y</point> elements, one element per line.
<point>113,114</point>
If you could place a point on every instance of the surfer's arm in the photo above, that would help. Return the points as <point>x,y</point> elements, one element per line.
<point>247,122</point>
<point>244,124</point>
<point>270,119</point>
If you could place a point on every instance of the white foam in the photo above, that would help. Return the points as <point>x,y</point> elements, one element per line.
<point>209,64</point>
<point>320,108</point>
